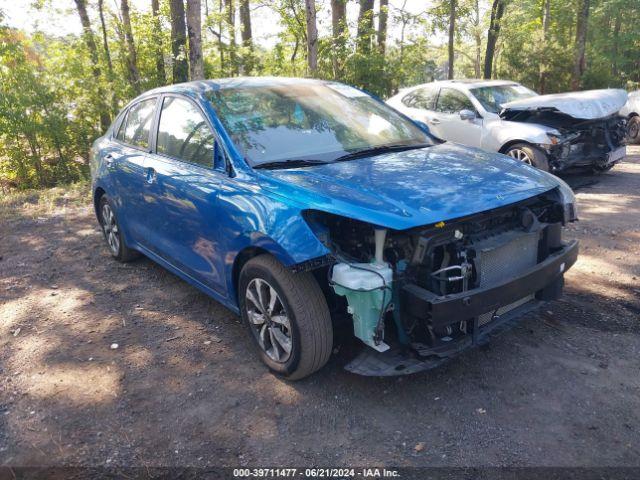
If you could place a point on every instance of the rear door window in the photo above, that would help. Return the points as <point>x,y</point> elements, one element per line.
<point>423,98</point>
<point>136,127</point>
<point>183,133</point>
<point>452,101</point>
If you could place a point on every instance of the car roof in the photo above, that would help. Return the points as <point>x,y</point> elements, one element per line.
<point>465,83</point>
<point>203,86</point>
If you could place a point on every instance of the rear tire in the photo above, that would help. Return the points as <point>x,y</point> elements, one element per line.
<point>287,315</point>
<point>113,233</point>
<point>633,130</point>
<point>530,154</point>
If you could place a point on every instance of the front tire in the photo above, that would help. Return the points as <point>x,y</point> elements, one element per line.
<point>527,153</point>
<point>113,233</point>
<point>287,315</point>
<point>633,130</point>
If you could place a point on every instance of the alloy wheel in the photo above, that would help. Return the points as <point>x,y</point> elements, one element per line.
<point>520,154</point>
<point>110,228</point>
<point>269,320</point>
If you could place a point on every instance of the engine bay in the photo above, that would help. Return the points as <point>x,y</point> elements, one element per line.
<point>430,290</point>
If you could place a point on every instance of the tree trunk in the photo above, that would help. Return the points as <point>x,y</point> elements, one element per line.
<point>95,66</point>
<point>580,45</point>
<point>365,27</point>
<point>312,37</point>
<point>247,35</point>
<point>616,36</point>
<point>105,43</point>
<point>107,54</point>
<point>157,40</point>
<point>194,29</point>
<point>382,26</point>
<point>497,12</point>
<point>178,42</point>
<point>452,32</point>
<point>478,39</point>
<point>338,30</point>
<point>132,61</point>
<point>546,20</point>
<point>231,25</point>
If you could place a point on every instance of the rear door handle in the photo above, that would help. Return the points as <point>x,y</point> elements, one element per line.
<point>108,159</point>
<point>151,175</point>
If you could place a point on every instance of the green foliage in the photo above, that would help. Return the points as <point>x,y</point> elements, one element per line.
<point>51,101</point>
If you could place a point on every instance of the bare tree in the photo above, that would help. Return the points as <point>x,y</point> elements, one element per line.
<point>382,25</point>
<point>339,32</point>
<point>87,33</point>
<point>132,61</point>
<point>452,33</point>
<point>312,37</point>
<point>178,42</point>
<point>194,30</point>
<point>579,60</point>
<point>157,40</point>
<point>247,35</point>
<point>365,26</point>
<point>497,12</point>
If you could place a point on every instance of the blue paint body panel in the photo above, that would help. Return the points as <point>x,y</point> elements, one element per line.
<point>195,221</point>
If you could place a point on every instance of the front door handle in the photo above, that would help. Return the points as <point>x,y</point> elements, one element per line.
<point>435,121</point>
<point>108,160</point>
<point>151,175</point>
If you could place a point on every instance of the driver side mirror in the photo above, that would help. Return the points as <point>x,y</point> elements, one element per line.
<point>467,114</point>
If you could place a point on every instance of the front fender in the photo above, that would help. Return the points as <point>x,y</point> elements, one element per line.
<point>501,132</point>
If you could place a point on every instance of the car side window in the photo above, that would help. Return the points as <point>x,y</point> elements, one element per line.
<point>136,126</point>
<point>183,133</point>
<point>120,133</point>
<point>452,101</point>
<point>421,98</point>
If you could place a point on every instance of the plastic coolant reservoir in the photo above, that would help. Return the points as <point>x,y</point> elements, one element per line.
<point>363,286</point>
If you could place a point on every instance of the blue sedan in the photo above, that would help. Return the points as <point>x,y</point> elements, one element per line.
<point>306,204</point>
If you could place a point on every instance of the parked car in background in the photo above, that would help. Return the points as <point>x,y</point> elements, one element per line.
<point>631,111</point>
<point>551,132</point>
<point>300,204</point>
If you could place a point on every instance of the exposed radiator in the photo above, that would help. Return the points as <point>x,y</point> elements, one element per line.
<point>504,256</point>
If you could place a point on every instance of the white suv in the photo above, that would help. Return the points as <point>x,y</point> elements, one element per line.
<point>552,132</point>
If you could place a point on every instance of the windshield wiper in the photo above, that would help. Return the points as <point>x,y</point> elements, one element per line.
<point>365,152</point>
<point>290,163</point>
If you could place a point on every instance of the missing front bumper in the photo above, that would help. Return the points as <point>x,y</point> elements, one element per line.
<point>535,285</point>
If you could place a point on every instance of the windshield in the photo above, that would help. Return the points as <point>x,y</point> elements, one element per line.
<point>492,98</point>
<point>312,121</point>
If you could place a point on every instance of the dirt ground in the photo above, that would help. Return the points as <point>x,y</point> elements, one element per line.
<point>184,388</point>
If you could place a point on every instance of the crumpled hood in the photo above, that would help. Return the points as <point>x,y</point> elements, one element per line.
<point>407,189</point>
<point>587,105</point>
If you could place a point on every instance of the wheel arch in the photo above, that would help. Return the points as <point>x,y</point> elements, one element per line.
<point>97,195</point>
<point>510,143</point>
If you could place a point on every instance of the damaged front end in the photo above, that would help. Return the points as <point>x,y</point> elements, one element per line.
<point>419,297</point>
<point>595,144</point>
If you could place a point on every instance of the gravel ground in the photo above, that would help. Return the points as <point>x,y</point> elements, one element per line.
<point>184,388</point>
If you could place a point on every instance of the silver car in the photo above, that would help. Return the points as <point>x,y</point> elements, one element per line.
<point>552,132</point>
<point>631,111</point>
